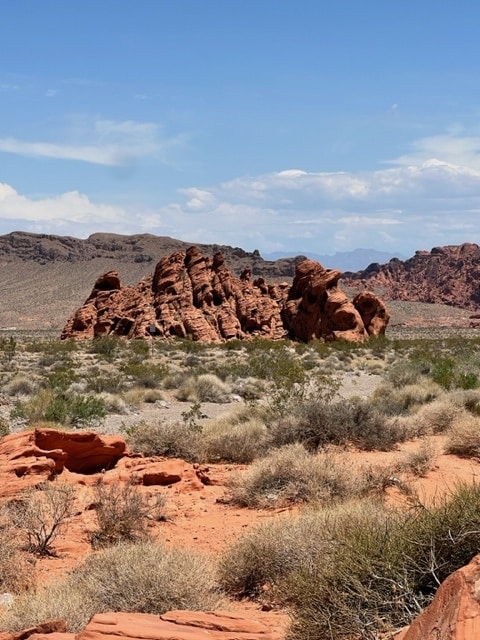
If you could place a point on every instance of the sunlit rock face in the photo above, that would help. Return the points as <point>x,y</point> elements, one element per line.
<point>193,296</point>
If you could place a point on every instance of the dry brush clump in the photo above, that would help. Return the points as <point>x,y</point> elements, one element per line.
<point>291,474</point>
<point>144,577</point>
<point>169,439</point>
<point>409,553</point>
<point>15,568</point>
<point>41,513</point>
<point>318,422</point>
<point>464,436</point>
<point>237,437</point>
<point>123,513</point>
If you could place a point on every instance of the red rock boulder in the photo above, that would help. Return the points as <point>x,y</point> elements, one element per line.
<point>184,625</point>
<point>454,613</point>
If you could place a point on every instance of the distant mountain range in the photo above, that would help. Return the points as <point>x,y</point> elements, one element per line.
<point>44,278</point>
<point>343,260</point>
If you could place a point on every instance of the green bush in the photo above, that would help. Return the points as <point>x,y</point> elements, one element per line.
<point>106,347</point>
<point>145,374</point>
<point>62,408</point>
<point>317,423</point>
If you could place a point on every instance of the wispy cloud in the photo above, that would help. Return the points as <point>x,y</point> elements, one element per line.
<point>106,142</point>
<point>429,200</point>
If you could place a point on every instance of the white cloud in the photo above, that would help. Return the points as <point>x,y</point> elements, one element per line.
<point>104,142</point>
<point>451,148</point>
<point>427,201</point>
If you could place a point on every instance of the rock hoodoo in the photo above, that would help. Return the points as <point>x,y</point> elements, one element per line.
<point>190,295</point>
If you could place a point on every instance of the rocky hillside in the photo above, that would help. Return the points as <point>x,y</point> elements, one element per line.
<point>445,275</point>
<point>142,249</point>
<point>44,277</point>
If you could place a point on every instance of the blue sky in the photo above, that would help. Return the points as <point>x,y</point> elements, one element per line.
<point>278,125</point>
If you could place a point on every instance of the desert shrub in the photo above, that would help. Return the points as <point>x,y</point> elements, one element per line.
<point>249,388</point>
<point>266,554</point>
<point>140,347</point>
<point>113,403</point>
<point>278,365</point>
<point>51,347</point>
<point>152,395</point>
<point>41,512</point>
<point>420,461</point>
<point>145,374</point>
<point>4,427</point>
<point>394,401</point>
<point>435,417</point>
<point>464,436</point>
<point>15,571</point>
<point>85,409</point>
<point>122,513</point>
<point>144,577</point>
<point>403,373</point>
<point>443,372</point>
<point>317,423</point>
<point>211,389</point>
<point>269,552</point>
<point>62,408</point>
<point>233,440</point>
<point>291,474</point>
<point>20,385</point>
<point>466,399</point>
<point>407,552</point>
<point>8,348</point>
<point>106,347</point>
<point>62,376</point>
<point>103,381</point>
<point>173,440</point>
<point>205,388</point>
<point>134,397</point>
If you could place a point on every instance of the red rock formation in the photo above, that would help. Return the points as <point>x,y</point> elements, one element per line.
<point>184,625</point>
<point>190,295</point>
<point>32,457</point>
<point>52,629</point>
<point>445,275</point>
<point>316,307</point>
<point>454,613</point>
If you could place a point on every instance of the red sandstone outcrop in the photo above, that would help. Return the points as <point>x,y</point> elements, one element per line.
<point>183,625</point>
<point>454,613</point>
<point>190,295</point>
<point>32,457</point>
<point>174,625</point>
<point>445,275</point>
